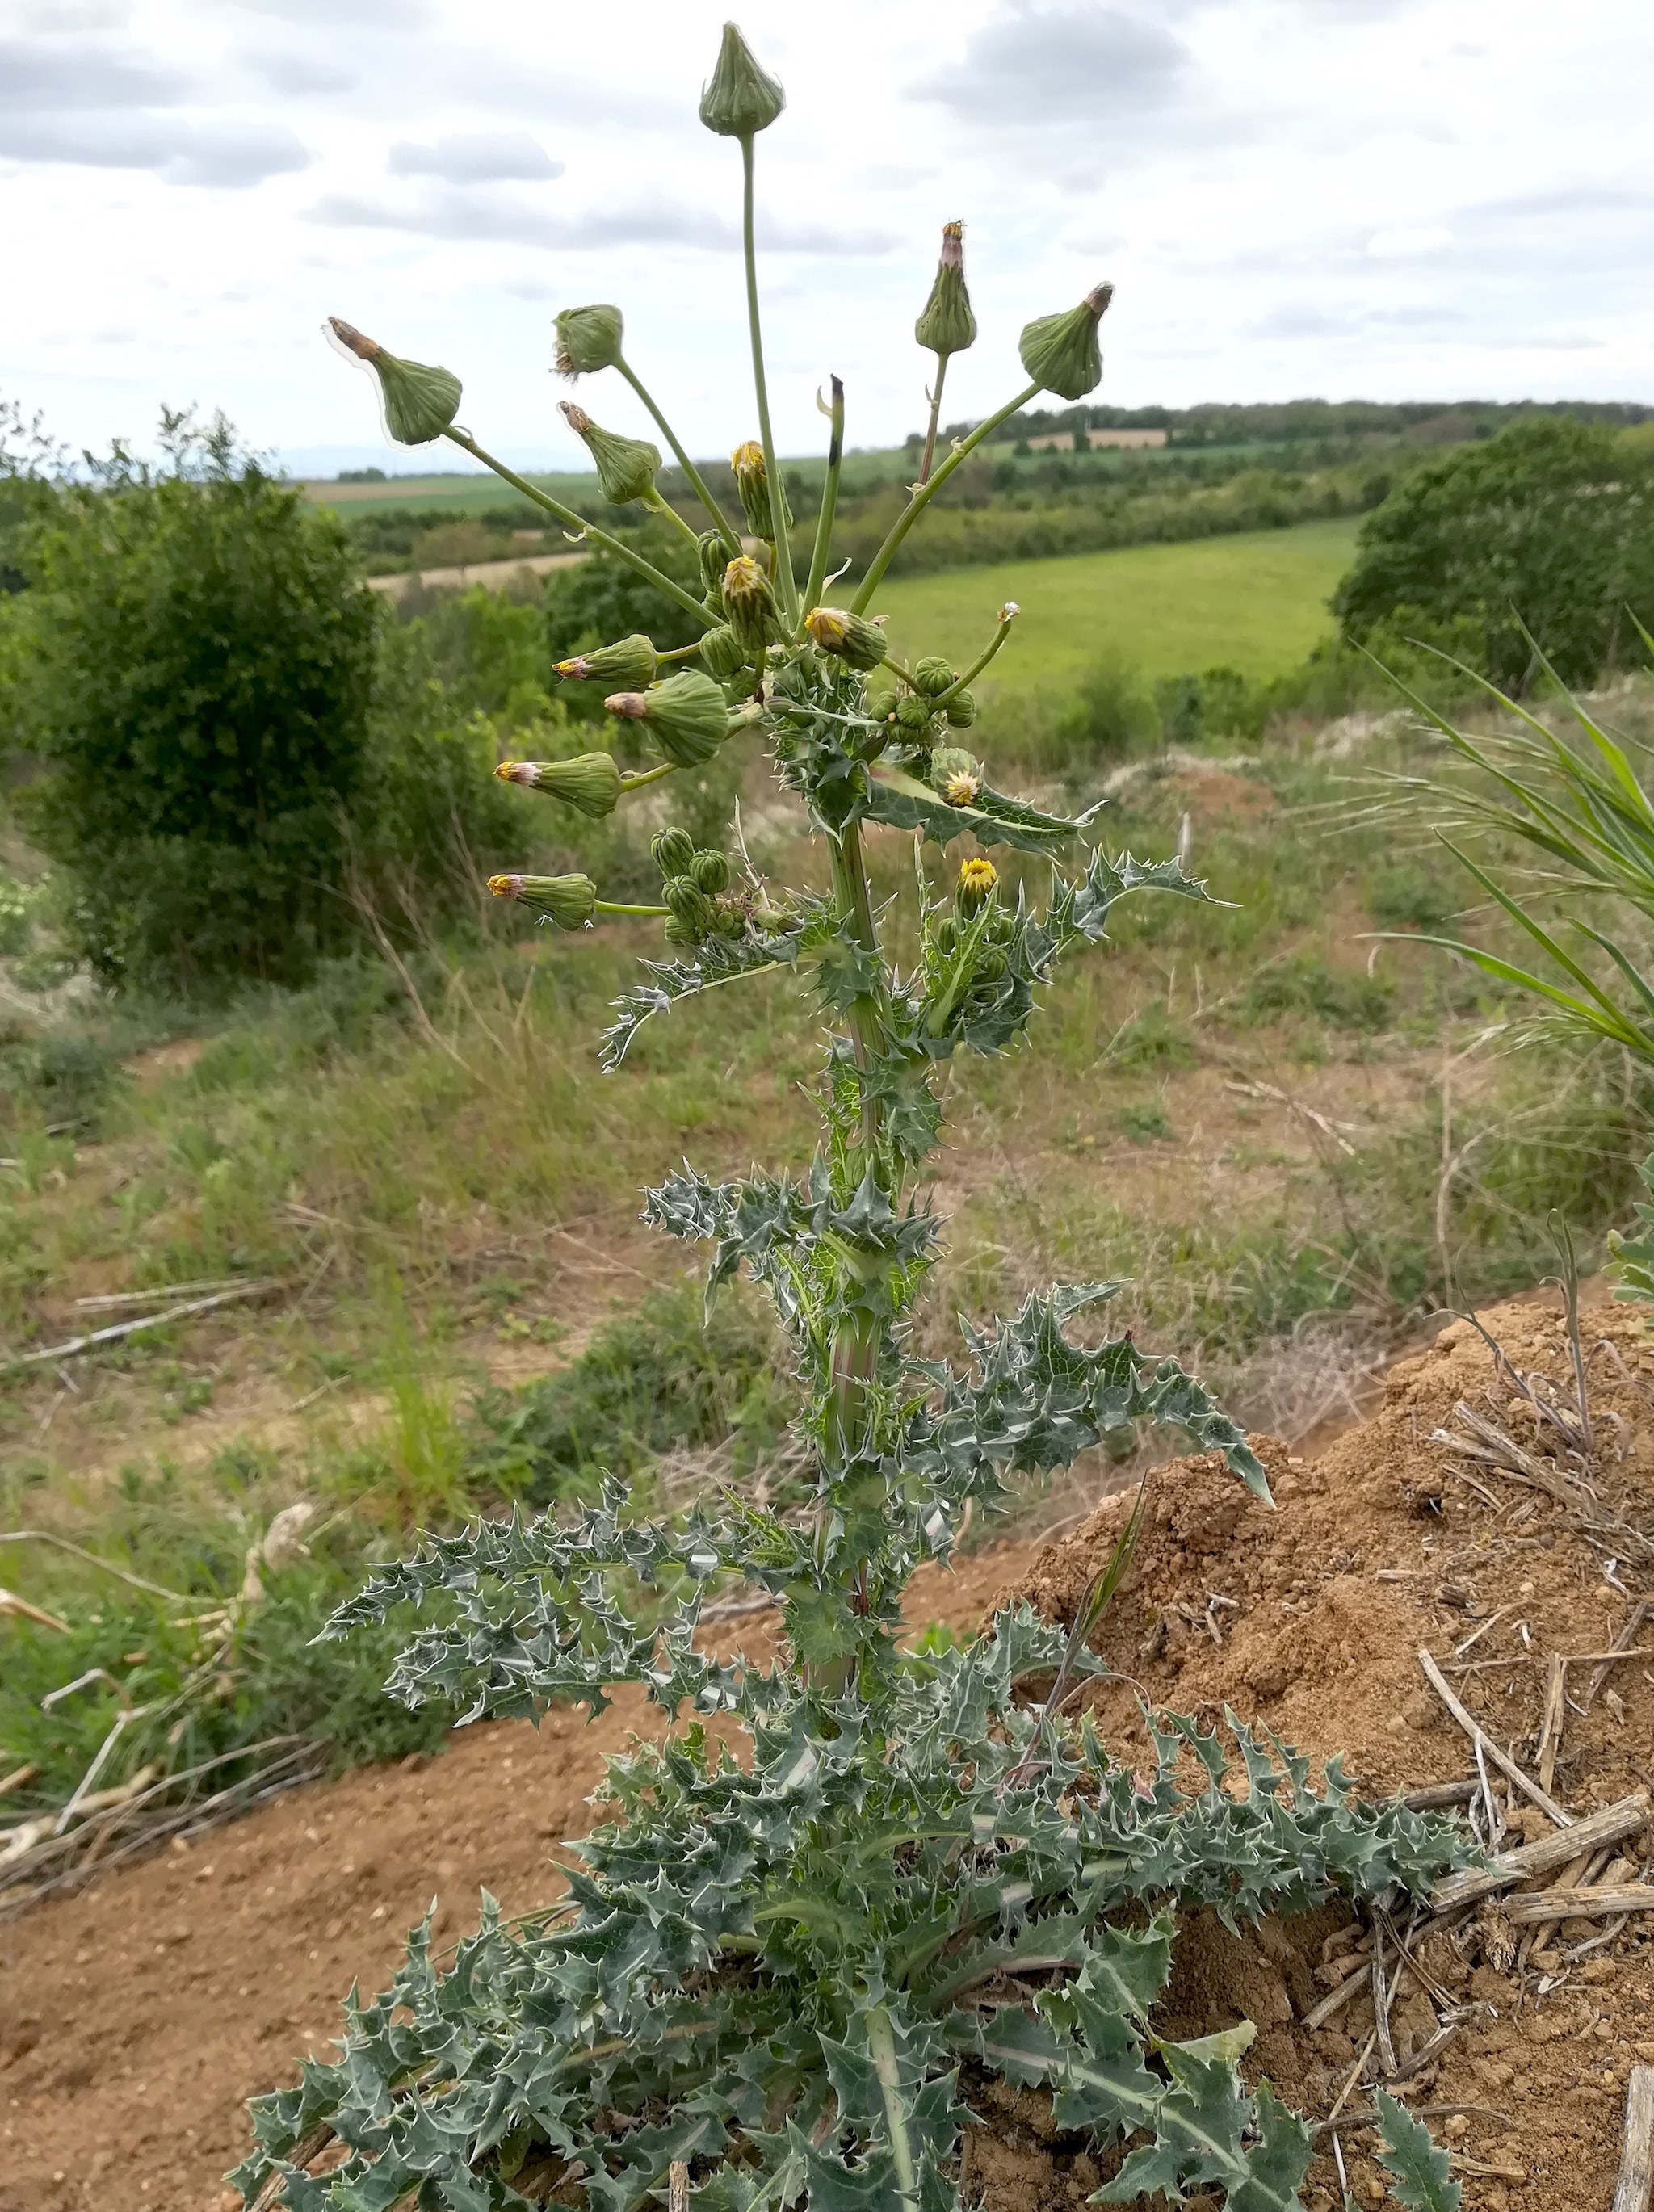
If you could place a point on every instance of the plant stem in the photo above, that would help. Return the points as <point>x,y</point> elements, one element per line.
<point>723,527</point>
<point>942,360</point>
<point>570,519</point>
<point>608,906</point>
<point>784,576</point>
<point>881,2046</point>
<point>647,776</point>
<point>922,498</point>
<point>1008,615</point>
<point>829,500</point>
<point>656,505</point>
<point>855,1347</point>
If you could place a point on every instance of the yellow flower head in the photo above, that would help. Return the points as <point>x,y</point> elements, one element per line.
<point>747,460</point>
<point>827,626</point>
<point>962,788</point>
<point>505,886</point>
<point>745,580</point>
<point>977,877</point>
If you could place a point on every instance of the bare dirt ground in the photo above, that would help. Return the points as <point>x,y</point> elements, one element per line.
<point>137,2017</point>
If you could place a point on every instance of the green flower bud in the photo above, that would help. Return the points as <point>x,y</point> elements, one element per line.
<point>955,775</point>
<point>722,655</point>
<point>741,98</point>
<point>630,663</point>
<point>990,965</point>
<point>626,467</point>
<point>749,605</point>
<point>947,935</point>
<point>420,401</point>
<point>852,637</point>
<point>569,900</point>
<point>974,887</point>
<point>752,481</point>
<point>680,932</point>
<point>588,338</point>
<point>686,715</point>
<point>1060,351</point>
<point>912,717</point>
<point>933,675</point>
<point>961,710</point>
<point>711,871</point>
<point>714,554</point>
<point>672,850</point>
<point>590,783</point>
<point>690,905</point>
<point>947,325</point>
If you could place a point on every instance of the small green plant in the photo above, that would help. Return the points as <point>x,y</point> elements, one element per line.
<point>765,1985</point>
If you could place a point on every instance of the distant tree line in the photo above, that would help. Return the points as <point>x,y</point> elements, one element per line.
<point>1428,421</point>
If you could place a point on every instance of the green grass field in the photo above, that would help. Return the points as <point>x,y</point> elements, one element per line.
<point>1257,603</point>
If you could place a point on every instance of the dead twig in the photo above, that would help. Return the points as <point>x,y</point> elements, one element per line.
<point>78,1344</point>
<point>1611,1825</point>
<point>63,1544</point>
<point>10,1602</point>
<point>1550,1730</point>
<point>1541,1905</point>
<point>1636,2183</point>
<point>1620,1646</point>
<point>1506,1765</point>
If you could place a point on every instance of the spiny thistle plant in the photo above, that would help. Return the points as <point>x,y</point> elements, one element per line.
<point>783,1974</point>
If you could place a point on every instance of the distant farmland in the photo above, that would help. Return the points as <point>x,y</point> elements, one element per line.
<point>1255,602</point>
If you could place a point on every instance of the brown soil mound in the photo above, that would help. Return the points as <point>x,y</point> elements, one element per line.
<point>136,2018</point>
<point>1376,1550</point>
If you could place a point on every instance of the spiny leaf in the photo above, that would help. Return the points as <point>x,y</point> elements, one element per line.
<point>1424,2180</point>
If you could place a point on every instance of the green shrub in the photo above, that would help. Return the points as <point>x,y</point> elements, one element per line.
<point>1112,718</point>
<point>1550,526</point>
<point>197,687</point>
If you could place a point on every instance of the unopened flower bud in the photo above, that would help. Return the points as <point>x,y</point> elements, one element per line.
<point>630,663</point>
<point>961,710</point>
<point>588,338</point>
<point>932,675</point>
<point>749,605</point>
<point>714,554</point>
<point>1059,352</point>
<point>569,900</point>
<point>690,905</point>
<point>752,481</point>
<point>711,871</point>
<point>626,467</point>
<point>975,888</point>
<point>912,717</point>
<point>722,655</point>
<point>955,775</point>
<point>852,637</point>
<point>680,932</point>
<point>947,325</point>
<point>990,964</point>
<point>741,99</point>
<point>671,850</point>
<point>590,783</point>
<point>420,401</point>
<point>686,715</point>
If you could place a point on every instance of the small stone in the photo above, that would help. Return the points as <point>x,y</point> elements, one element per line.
<point>1457,2128</point>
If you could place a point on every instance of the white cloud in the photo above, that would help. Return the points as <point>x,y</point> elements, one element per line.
<point>1405,245</point>
<point>1342,195</point>
<point>474,157</point>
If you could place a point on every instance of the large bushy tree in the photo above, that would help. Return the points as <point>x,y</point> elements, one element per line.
<point>1547,529</point>
<point>196,687</point>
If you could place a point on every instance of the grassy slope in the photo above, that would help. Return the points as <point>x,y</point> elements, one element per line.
<point>1257,603</point>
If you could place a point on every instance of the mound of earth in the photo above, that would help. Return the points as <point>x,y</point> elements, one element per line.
<point>137,2017</point>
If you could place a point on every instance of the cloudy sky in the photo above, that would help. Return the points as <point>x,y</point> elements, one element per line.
<point>1378,198</point>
